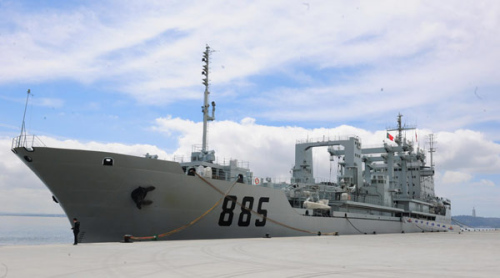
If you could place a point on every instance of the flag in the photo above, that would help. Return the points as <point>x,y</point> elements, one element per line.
<point>390,137</point>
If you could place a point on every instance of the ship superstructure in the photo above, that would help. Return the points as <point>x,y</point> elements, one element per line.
<point>386,189</point>
<point>391,180</point>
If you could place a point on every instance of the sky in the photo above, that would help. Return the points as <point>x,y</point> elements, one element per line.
<point>126,78</point>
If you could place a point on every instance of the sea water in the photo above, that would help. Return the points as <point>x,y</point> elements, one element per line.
<point>35,230</point>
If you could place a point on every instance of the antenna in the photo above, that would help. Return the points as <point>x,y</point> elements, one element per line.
<point>204,108</point>
<point>431,148</point>
<point>22,137</point>
<point>399,129</point>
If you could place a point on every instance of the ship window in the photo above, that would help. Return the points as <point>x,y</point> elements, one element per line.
<point>107,161</point>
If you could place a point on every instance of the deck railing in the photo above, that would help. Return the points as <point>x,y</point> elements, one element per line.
<point>327,138</point>
<point>27,141</point>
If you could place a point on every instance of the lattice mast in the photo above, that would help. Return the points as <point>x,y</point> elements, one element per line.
<point>204,108</point>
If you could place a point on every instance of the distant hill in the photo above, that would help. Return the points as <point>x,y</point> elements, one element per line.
<point>478,222</point>
<point>31,214</point>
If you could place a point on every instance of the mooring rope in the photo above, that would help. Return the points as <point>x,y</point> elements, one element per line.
<point>264,216</point>
<point>460,224</point>
<point>225,195</point>
<point>354,226</point>
<point>416,225</point>
<point>423,230</point>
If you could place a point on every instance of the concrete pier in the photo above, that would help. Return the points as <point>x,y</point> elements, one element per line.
<point>469,254</point>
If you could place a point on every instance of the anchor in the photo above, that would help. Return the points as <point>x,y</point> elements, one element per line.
<point>139,194</point>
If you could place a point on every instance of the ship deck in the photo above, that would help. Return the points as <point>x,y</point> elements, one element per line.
<point>466,254</point>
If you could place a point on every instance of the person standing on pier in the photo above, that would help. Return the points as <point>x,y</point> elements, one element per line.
<point>76,229</point>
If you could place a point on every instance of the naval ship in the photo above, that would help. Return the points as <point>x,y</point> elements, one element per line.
<point>116,197</point>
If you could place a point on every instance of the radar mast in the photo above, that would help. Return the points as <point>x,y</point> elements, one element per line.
<point>400,128</point>
<point>205,107</point>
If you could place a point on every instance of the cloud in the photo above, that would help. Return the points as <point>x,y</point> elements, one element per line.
<point>484,182</point>
<point>154,48</point>
<point>270,153</point>
<point>20,189</point>
<point>22,192</point>
<point>49,102</point>
<point>278,62</point>
<point>468,151</point>
<point>281,69</point>
<point>136,149</point>
<point>269,149</point>
<point>454,156</point>
<point>453,177</point>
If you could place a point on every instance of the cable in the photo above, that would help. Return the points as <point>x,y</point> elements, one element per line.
<point>354,226</point>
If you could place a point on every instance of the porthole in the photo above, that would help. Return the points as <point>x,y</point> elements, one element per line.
<point>107,161</point>
<point>27,158</point>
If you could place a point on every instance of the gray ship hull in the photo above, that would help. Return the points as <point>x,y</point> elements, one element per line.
<point>100,197</point>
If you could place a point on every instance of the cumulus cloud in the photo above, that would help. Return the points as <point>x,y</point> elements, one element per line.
<point>467,150</point>
<point>453,177</point>
<point>22,192</point>
<point>137,149</point>
<point>270,153</point>
<point>269,149</point>
<point>256,142</point>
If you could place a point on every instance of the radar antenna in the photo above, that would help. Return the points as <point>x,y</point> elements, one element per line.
<point>399,129</point>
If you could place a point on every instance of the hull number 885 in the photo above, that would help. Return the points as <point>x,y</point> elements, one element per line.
<point>244,215</point>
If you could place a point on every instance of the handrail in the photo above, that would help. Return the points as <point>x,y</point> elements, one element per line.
<point>327,139</point>
<point>27,142</point>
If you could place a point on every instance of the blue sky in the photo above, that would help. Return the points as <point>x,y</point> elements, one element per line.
<point>127,77</point>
